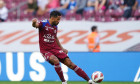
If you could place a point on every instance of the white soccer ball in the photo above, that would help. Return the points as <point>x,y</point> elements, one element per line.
<point>97,76</point>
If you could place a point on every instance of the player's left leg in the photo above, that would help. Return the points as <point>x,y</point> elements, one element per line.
<point>77,69</point>
<point>52,59</point>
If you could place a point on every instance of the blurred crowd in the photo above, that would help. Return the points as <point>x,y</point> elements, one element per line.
<point>3,11</point>
<point>97,10</point>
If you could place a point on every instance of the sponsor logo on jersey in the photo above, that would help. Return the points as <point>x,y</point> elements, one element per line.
<point>47,28</point>
<point>48,38</point>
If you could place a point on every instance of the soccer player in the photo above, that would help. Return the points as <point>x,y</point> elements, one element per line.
<point>52,50</point>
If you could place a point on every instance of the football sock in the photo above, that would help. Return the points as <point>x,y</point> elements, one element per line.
<point>81,73</point>
<point>59,72</point>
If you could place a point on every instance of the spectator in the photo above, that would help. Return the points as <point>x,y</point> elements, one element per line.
<point>52,5</point>
<point>42,6</point>
<point>128,6</point>
<point>3,11</point>
<point>32,6</point>
<point>68,6</point>
<point>100,5</point>
<point>114,4</point>
<point>62,2</point>
<point>72,4</point>
<point>90,5</point>
<point>81,4</point>
<point>93,40</point>
<point>138,3</point>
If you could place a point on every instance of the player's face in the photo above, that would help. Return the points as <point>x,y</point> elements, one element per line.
<point>56,20</point>
<point>96,30</point>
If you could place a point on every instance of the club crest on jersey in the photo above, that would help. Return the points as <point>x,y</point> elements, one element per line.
<point>61,51</point>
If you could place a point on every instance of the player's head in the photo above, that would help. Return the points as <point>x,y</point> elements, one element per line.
<point>55,17</point>
<point>94,28</point>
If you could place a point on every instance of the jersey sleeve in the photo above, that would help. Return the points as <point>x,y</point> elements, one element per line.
<point>40,24</point>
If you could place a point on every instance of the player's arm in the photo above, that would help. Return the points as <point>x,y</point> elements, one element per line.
<point>96,43</point>
<point>59,44</point>
<point>35,23</point>
<point>135,5</point>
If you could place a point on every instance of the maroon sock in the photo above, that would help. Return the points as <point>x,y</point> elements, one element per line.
<point>59,72</point>
<point>81,73</point>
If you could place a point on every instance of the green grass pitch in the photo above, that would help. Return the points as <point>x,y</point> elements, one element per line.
<point>71,82</point>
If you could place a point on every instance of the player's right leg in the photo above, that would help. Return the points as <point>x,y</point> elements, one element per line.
<point>77,69</point>
<point>54,61</point>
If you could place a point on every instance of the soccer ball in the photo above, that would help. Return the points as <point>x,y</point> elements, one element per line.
<point>97,76</point>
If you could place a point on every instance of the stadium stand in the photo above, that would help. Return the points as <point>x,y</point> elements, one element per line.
<point>113,12</point>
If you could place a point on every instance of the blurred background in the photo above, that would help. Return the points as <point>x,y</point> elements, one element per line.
<point>88,10</point>
<point>118,29</point>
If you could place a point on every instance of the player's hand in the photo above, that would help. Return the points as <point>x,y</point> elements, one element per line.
<point>34,23</point>
<point>65,51</point>
<point>34,20</point>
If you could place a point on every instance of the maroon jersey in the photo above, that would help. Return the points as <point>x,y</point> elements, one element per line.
<point>47,37</point>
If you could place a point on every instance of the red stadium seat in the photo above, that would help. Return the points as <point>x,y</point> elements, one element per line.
<point>122,19</point>
<point>137,13</point>
<point>109,19</point>
<point>99,13</point>
<point>30,16</point>
<point>24,7</point>
<point>68,17</point>
<point>133,12</point>
<point>8,6</point>
<point>23,16</point>
<point>71,13</point>
<point>119,13</point>
<point>132,19</point>
<point>98,19</point>
<point>87,17</point>
<point>88,14</point>
<point>110,12</point>
<point>78,17</point>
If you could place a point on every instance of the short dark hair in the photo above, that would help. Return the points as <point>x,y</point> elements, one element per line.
<point>93,28</point>
<point>55,14</point>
